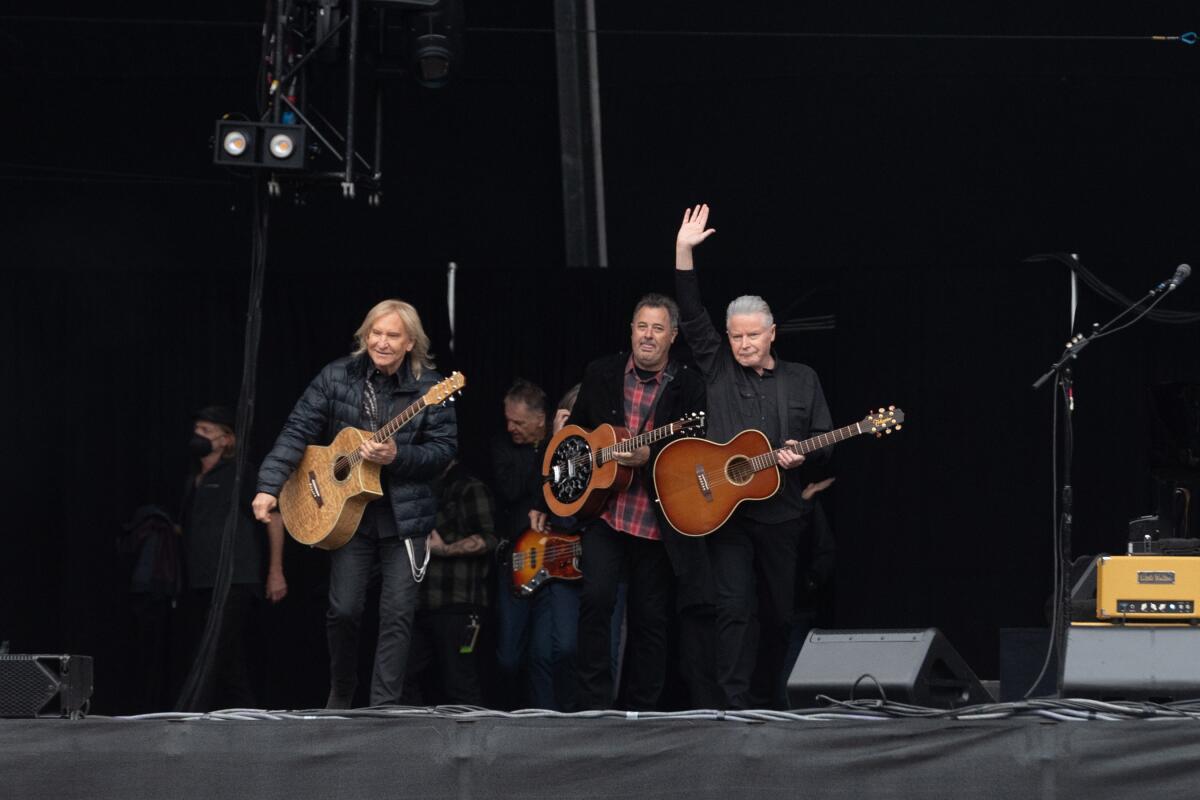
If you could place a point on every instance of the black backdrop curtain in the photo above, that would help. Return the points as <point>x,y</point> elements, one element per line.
<point>895,184</point>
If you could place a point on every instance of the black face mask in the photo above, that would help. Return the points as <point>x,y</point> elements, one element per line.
<point>199,446</point>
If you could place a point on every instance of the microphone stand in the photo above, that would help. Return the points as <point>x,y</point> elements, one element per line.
<point>1064,380</point>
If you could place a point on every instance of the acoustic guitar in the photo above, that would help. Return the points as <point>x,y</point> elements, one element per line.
<point>540,557</point>
<point>323,500</point>
<point>701,483</point>
<point>580,470</point>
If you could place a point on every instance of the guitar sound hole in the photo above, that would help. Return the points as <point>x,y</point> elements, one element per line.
<point>341,468</point>
<point>570,469</point>
<point>738,471</point>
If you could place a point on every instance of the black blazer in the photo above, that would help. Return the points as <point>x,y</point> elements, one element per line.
<point>602,400</point>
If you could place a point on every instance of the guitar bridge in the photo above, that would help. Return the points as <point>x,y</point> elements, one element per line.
<point>702,479</point>
<point>314,489</point>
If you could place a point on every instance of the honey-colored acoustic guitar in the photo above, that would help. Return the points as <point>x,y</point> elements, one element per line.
<point>323,500</point>
<point>580,469</point>
<point>540,557</point>
<point>701,483</point>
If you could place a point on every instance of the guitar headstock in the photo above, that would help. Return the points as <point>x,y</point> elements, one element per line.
<point>445,390</point>
<point>885,420</point>
<point>692,422</point>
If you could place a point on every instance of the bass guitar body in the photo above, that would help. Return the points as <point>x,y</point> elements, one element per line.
<point>540,557</point>
<point>701,483</point>
<point>575,484</point>
<point>322,503</point>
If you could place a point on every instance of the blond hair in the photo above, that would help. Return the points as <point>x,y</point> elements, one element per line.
<point>421,357</point>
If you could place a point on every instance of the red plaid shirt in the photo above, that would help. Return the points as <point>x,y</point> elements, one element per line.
<point>631,510</point>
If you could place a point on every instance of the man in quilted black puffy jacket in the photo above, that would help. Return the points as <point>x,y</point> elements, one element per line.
<point>390,369</point>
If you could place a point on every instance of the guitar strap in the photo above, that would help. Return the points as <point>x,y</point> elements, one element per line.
<point>781,402</point>
<point>667,376</point>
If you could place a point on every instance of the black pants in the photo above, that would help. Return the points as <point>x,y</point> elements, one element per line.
<point>754,570</point>
<point>605,553</point>
<point>227,683</point>
<point>349,575</point>
<point>443,662</point>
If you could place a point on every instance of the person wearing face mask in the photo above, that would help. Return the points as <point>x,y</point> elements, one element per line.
<point>390,369</point>
<point>637,390</point>
<point>753,555</point>
<point>207,499</point>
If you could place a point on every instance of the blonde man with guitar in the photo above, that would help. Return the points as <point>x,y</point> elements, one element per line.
<point>753,554</point>
<point>389,370</point>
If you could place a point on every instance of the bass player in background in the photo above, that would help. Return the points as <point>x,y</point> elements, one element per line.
<point>753,555</point>
<point>536,636</point>
<point>390,368</point>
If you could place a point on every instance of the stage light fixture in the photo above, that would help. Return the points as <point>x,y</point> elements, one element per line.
<point>235,143</point>
<point>434,43</point>
<point>282,145</point>
<point>432,58</point>
<point>259,144</point>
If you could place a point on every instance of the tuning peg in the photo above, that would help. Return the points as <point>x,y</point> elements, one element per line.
<point>891,408</point>
<point>881,411</point>
<point>888,431</point>
<point>898,427</point>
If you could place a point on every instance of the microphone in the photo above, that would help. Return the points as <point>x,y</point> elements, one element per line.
<point>1181,275</point>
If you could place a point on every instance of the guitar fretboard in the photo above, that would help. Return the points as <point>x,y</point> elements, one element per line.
<point>383,434</point>
<point>606,454</point>
<point>761,462</point>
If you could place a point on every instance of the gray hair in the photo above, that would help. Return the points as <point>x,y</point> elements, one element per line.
<point>749,304</point>
<point>528,393</point>
<point>655,300</point>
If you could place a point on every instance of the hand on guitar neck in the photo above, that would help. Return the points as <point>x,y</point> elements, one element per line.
<point>382,453</point>
<point>787,457</point>
<point>635,459</point>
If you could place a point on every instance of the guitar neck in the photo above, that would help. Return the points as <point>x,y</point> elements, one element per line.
<point>398,422</point>
<point>761,462</point>
<point>387,431</point>
<point>641,440</point>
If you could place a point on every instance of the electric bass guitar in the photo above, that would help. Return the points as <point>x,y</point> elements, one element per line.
<point>580,470</point>
<point>701,483</point>
<point>540,557</point>
<point>323,500</point>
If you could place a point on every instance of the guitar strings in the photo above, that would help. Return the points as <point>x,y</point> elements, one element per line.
<point>604,453</point>
<point>721,476</point>
<point>352,460</point>
<point>550,551</point>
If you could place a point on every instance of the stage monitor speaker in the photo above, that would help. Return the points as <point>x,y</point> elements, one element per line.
<point>918,667</point>
<point>31,685</point>
<point>1160,663</point>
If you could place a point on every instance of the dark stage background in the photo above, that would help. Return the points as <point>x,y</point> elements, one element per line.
<point>893,181</point>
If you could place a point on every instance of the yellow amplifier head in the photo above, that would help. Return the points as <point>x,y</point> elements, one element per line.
<point>1159,588</point>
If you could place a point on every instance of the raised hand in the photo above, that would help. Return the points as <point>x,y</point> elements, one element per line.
<point>692,231</point>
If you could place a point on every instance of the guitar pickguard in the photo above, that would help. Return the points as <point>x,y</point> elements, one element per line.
<point>570,469</point>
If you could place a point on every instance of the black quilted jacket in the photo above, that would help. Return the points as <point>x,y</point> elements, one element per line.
<point>333,401</point>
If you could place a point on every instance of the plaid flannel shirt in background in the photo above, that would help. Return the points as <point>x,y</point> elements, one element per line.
<point>464,508</point>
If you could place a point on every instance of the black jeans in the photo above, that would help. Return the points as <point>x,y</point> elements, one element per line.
<point>443,663</point>
<point>349,575</point>
<point>605,553</point>
<point>754,570</point>
<point>227,683</point>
